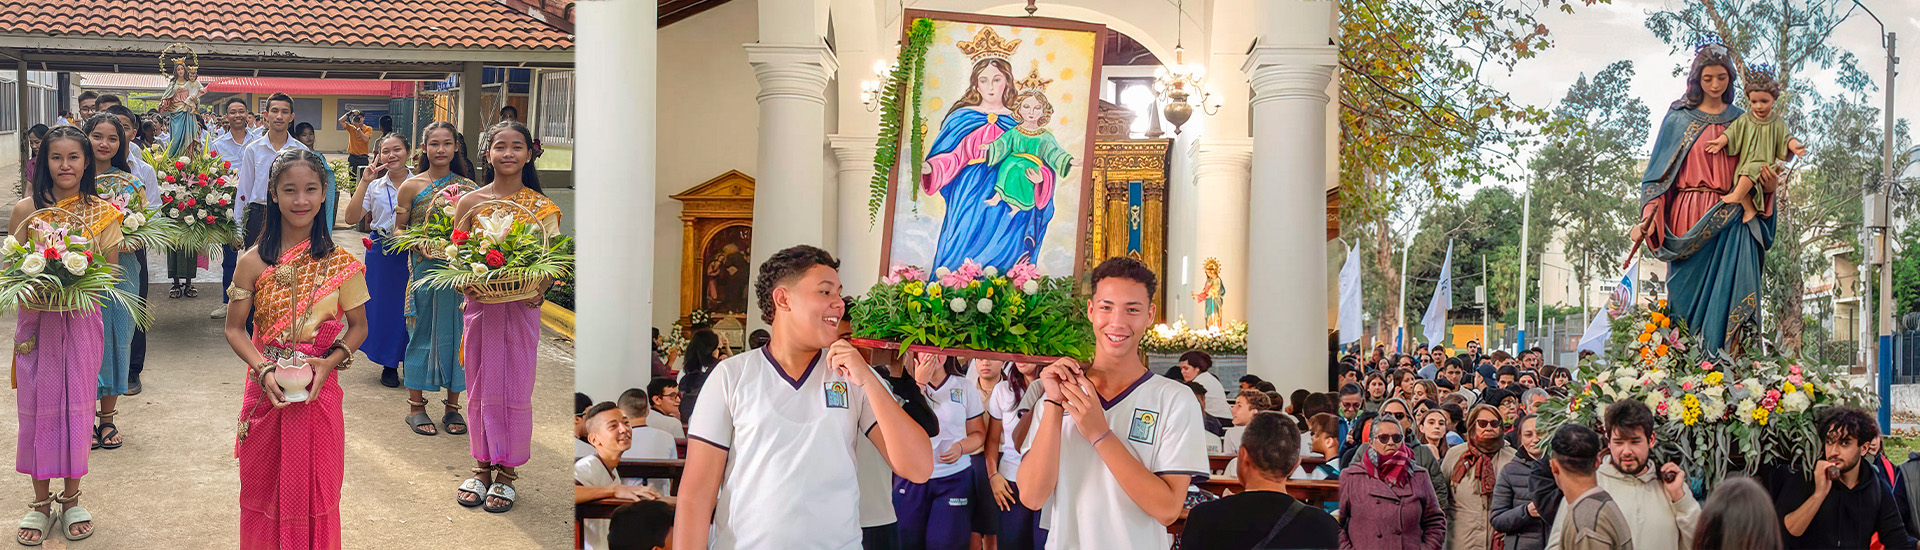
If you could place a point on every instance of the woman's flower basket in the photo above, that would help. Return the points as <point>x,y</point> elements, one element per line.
<point>431,235</point>
<point>54,269</point>
<point>507,258</point>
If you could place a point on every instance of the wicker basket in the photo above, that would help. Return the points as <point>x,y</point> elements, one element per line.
<point>502,290</point>
<point>434,204</point>
<point>44,297</point>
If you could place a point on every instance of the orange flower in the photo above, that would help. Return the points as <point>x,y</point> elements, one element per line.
<point>1652,327</point>
<point>1645,336</point>
<point>1661,351</point>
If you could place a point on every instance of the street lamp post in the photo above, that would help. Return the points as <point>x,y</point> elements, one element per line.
<point>1883,358</point>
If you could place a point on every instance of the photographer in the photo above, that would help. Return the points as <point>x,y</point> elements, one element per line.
<point>358,137</point>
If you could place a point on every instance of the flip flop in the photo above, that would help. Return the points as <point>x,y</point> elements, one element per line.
<point>416,420</point>
<point>105,435</point>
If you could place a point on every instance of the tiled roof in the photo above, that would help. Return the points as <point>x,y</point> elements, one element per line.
<point>460,24</point>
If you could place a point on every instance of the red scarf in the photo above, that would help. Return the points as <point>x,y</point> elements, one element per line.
<point>1391,468</point>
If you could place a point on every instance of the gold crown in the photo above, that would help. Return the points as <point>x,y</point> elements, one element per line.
<point>988,45</point>
<point>1033,82</point>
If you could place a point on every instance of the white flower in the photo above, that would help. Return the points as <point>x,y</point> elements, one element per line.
<point>448,210</point>
<point>1713,392</point>
<point>33,264</point>
<point>173,212</point>
<point>1745,411</point>
<point>1796,401</point>
<point>991,271</point>
<point>494,227</point>
<point>1030,287</point>
<point>192,220</point>
<point>184,160</point>
<point>11,242</point>
<point>133,221</point>
<point>959,305</point>
<point>1657,376</point>
<point>986,305</point>
<point>942,272</point>
<point>452,251</point>
<point>478,267</point>
<point>74,262</point>
<point>1712,409</point>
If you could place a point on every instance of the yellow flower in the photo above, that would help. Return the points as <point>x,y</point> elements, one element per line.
<point>916,288</point>
<point>1786,388</point>
<point>933,291</point>
<point>1663,304</point>
<point>1715,378</point>
<point>1760,416</point>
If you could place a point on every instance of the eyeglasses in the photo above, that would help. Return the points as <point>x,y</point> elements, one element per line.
<point>1397,415</point>
<point>1483,423</point>
<point>1389,439</point>
<point>1349,406</point>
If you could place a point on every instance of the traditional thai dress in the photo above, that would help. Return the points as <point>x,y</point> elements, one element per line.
<point>116,362</point>
<point>56,369</point>
<point>292,459</point>
<point>500,350</point>
<point>433,344</point>
<point>1713,259</point>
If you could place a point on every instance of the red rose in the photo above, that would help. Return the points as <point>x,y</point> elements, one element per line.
<point>460,237</point>
<point>226,164</point>
<point>169,179</point>
<point>366,241</point>
<point>166,199</point>
<point>209,218</point>
<point>192,202</point>
<point>51,253</point>
<point>495,258</point>
<point>223,202</point>
<point>219,181</point>
<point>89,255</point>
<point>213,154</point>
<point>177,165</point>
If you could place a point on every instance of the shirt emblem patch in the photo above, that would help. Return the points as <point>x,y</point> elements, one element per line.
<point>836,395</point>
<point>956,395</point>
<point>1142,429</point>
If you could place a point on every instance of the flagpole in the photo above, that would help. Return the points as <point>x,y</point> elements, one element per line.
<point>1401,339</point>
<point>1526,217</point>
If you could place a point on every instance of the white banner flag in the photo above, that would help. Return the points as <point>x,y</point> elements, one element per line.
<point>1434,325</point>
<point>1350,298</point>
<point>1601,328</point>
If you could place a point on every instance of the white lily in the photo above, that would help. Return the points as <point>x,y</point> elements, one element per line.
<point>495,226</point>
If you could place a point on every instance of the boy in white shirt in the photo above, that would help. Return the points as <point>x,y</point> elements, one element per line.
<point>777,425</point>
<point>1114,447</point>
<point>597,476</point>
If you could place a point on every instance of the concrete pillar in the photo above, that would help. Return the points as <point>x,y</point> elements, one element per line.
<point>1222,175</point>
<point>789,201</point>
<point>858,241</point>
<point>472,107</point>
<point>617,47</point>
<point>1290,68</point>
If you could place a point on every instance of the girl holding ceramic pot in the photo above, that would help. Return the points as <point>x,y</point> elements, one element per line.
<point>301,289</point>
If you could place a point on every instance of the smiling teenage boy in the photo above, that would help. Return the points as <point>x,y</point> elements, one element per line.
<point>1114,447</point>
<point>776,425</point>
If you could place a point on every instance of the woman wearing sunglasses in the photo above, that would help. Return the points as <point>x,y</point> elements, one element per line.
<point>1472,471</point>
<point>1386,499</point>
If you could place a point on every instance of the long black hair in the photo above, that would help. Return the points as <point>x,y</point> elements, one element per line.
<point>529,176</point>
<point>119,159</point>
<point>43,175</point>
<point>458,165</point>
<point>320,239</point>
<point>701,351</point>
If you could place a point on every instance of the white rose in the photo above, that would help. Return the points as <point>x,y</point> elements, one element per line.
<point>173,212</point>
<point>991,271</point>
<point>1030,287</point>
<point>959,305</point>
<point>986,305</point>
<point>452,251</point>
<point>74,262</point>
<point>33,264</point>
<point>133,221</point>
<point>1796,401</point>
<point>11,242</point>
<point>184,160</point>
<point>448,210</point>
<point>190,220</point>
<point>942,272</point>
<point>478,267</point>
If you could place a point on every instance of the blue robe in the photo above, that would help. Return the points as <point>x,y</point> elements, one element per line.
<point>998,236</point>
<point>1713,268</point>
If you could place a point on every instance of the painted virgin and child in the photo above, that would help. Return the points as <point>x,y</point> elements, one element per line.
<point>995,163</point>
<point>1691,211</point>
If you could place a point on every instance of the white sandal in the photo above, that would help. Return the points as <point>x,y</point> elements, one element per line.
<point>70,515</point>
<point>38,521</point>
<point>475,487</point>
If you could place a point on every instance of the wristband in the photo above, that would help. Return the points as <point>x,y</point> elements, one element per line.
<point>1097,440</point>
<point>1063,406</point>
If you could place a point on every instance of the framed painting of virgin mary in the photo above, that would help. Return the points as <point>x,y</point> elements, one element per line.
<point>1009,105</point>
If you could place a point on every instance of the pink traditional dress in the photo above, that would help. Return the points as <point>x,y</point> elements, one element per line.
<point>292,459</point>
<point>56,365</point>
<point>499,347</point>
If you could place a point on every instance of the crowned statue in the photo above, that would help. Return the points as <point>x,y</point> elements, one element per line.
<point>180,104</point>
<point>1212,294</point>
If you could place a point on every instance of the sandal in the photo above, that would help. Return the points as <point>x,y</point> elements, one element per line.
<point>175,291</point>
<point>192,292</point>
<point>475,487</point>
<point>36,520</point>
<point>101,435</point>
<point>501,491</point>
<point>453,417</point>
<point>72,515</point>
<point>419,419</point>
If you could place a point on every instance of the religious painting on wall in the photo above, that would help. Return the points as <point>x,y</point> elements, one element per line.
<point>725,271</point>
<point>1009,118</point>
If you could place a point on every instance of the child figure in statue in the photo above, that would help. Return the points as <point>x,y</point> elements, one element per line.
<point>1758,138</point>
<point>1030,160</point>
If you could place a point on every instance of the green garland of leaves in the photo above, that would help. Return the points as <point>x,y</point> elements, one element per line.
<point>910,70</point>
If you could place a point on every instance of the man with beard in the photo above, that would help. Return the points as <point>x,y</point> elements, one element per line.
<point>1662,514</point>
<point>1472,469</point>
<point>1113,448</point>
<point>1844,510</point>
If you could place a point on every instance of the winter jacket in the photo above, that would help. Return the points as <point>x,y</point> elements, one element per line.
<point>1376,515</point>
<point>1472,512</point>
<point>1511,494</point>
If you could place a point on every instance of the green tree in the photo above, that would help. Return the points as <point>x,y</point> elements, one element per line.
<point>1586,175</point>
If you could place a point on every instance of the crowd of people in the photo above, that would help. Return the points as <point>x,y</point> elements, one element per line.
<point>292,295</point>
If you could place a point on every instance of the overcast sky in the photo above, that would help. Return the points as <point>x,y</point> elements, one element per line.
<point>1595,36</point>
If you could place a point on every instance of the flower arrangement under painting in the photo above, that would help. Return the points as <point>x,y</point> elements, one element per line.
<point>430,236</point>
<point>674,339</point>
<point>1713,410</point>
<point>1180,338</point>
<point>503,259</point>
<point>976,308</point>
<point>197,194</point>
<point>55,269</point>
<point>699,318</point>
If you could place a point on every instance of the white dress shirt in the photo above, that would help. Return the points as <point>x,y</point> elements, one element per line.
<point>252,171</point>
<point>233,151</point>
<point>381,199</point>
<point>149,178</point>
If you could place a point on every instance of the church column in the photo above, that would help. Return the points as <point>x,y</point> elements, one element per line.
<point>789,204</point>
<point>858,242</point>
<point>1290,68</point>
<point>616,59</point>
<point>1221,177</point>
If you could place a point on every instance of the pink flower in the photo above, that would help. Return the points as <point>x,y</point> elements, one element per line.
<point>1769,402</point>
<point>1773,395</point>
<point>1706,365</point>
<point>903,273</point>
<point>958,278</point>
<point>1686,386</point>
<point>1662,408</point>
<point>1795,378</point>
<point>1795,369</point>
<point>1023,272</point>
